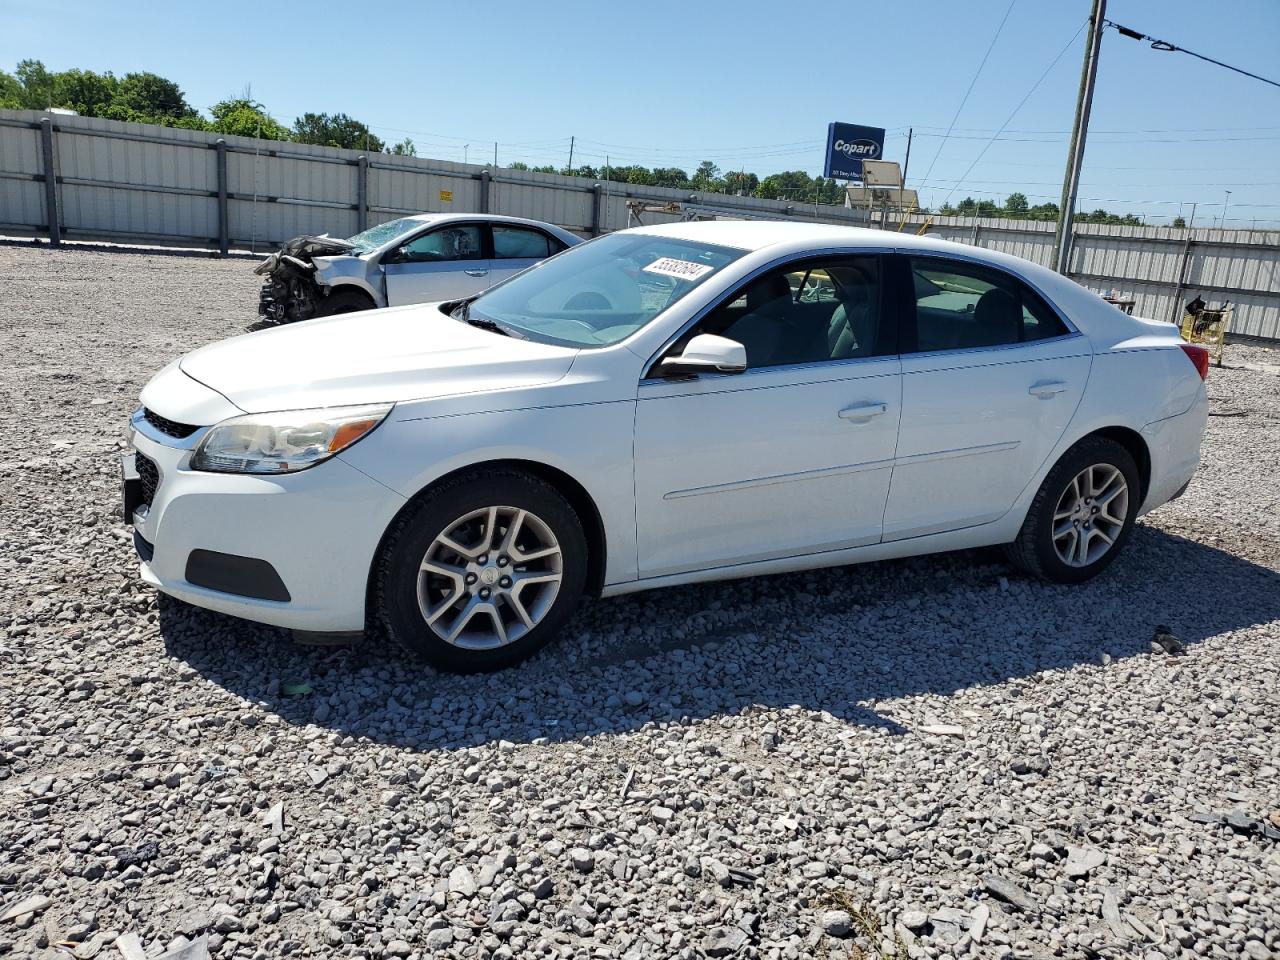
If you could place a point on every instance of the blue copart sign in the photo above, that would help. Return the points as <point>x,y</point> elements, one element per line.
<point>847,146</point>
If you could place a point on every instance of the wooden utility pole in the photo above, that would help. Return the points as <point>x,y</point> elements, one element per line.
<point>1075,155</point>
<point>570,168</point>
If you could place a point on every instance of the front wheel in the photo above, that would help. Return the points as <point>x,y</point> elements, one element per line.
<point>344,301</point>
<point>482,572</point>
<point>1081,516</point>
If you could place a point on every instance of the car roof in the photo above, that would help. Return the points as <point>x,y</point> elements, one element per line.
<point>487,217</point>
<point>759,234</point>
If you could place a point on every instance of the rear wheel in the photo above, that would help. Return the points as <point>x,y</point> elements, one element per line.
<point>344,301</point>
<point>482,572</point>
<point>1082,515</point>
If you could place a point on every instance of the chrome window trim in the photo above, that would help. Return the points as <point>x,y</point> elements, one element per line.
<point>742,281</point>
<point>1023,344</point>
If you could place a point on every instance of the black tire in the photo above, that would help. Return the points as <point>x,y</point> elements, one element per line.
<point>396,583</point>
<point>1034,551</point>
<point>344,301</point>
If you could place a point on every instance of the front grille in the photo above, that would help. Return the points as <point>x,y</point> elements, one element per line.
<point>149,474</point>
<point>170,428</point>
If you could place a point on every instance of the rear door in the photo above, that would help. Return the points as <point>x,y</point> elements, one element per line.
<point>516,248</point>
<point>442,263</point>
<point>991,376</point>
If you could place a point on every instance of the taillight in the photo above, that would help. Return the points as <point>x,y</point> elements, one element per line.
<point>1199,356</point>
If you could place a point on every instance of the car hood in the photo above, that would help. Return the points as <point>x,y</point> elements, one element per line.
<point>374,356</point>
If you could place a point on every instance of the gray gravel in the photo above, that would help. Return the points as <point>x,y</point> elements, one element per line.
<point>738,769</point>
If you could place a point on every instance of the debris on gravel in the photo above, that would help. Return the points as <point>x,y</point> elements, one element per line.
<point>982,764</point>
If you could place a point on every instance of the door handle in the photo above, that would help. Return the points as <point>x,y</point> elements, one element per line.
<point>476,273</point>
<point>1046,389</point>
<point>862,412</point>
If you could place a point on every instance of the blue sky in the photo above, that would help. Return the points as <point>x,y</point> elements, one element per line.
<point>748,85</point>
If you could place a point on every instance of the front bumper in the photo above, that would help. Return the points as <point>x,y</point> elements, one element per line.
<point>316,530</point>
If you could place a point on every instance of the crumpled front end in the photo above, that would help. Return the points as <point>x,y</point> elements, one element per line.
<point>289,289</point>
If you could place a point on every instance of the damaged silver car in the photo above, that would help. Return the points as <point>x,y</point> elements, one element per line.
<point>418,259</point>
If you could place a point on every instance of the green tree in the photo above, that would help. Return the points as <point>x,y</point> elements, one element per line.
<point>1016,204</point>
<point>338,130</point>
<point>788,185</point>
<point>37,85</point>
<point>707,177</point>
<point>405,148</point>
<point>1043,211</point>
<point>741,180</point>
<point>672,177</point>
<point>242,117</point>
<point>1180,223</point>
<point>87,93</point>
<point>149,98</point>
<point>11,92</point>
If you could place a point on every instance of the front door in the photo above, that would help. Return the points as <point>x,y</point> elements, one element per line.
<point>991,376</point>
<point>791,457</point>
<point>443,263</point>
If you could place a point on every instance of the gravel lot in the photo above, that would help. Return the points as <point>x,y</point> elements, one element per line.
<point>969,762</point>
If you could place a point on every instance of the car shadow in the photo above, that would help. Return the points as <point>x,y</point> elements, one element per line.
<point>840,640</point>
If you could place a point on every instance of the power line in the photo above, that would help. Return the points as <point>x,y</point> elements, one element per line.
<point>1166,46</point>
<point>965,98</point>
<point>1034,87</point>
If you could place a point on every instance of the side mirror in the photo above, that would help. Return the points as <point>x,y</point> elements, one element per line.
<point>706,353</point>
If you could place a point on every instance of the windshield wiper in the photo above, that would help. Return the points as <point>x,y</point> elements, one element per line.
<point>463,313</point>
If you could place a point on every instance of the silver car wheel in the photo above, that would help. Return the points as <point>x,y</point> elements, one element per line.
<point>1090,515</point>
<point>489,578</point>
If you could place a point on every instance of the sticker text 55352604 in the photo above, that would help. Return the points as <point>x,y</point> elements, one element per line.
<point>680,269</point>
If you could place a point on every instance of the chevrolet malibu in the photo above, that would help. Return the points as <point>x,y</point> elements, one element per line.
<point>659,406</point>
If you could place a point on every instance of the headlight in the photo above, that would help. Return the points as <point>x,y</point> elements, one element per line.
<point>284,442</point>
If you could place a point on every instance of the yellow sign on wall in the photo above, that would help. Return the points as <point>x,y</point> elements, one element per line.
<point>446,196</point>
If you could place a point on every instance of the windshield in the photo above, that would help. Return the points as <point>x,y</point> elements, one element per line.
<point>603,291</point>
<point>375,237</point>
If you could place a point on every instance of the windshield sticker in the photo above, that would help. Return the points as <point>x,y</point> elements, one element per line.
<point>680,269</point>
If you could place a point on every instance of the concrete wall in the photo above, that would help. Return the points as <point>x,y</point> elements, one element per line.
<point>143,183</point>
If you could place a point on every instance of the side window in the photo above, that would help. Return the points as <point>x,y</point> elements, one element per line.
<point>821,311</point>
<point>516,243</point>
<point>461,242</point>
<point>964,306</point>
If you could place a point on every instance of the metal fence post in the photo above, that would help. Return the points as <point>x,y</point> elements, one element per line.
<point>362,194</point>
<point>597,209</point>
<point>50,182</point>
<point>224,222</point>
<point>485,181</point>
<point>1175,314</point>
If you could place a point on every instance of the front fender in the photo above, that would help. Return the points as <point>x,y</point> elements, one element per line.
<point>589,442</point>
<point>334,273</point>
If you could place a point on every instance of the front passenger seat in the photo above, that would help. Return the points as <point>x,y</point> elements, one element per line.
<point>760,330</point>
<point>850,332</point>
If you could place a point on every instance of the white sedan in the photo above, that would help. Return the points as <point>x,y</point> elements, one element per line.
<point>419,259</point>
<point>658,406</point>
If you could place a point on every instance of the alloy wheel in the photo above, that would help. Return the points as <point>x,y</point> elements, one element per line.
<point>1090,514</point>
<point>489,577</point>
